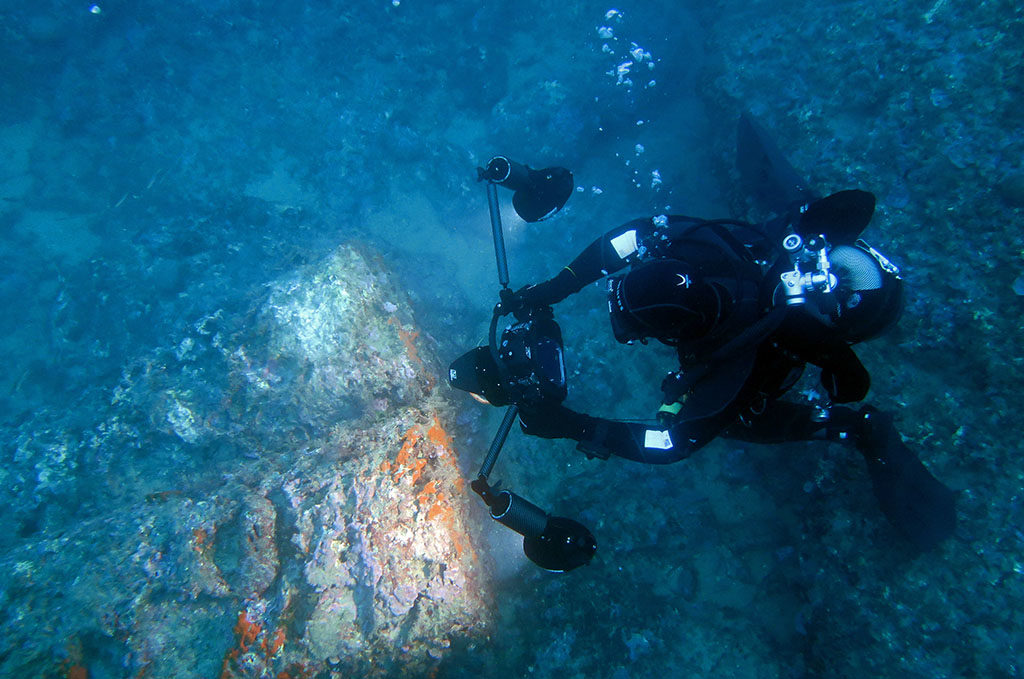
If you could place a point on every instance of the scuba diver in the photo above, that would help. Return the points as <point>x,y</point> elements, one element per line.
<point>746,307</point>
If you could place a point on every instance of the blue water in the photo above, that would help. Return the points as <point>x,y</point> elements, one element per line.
<point>162,163</point>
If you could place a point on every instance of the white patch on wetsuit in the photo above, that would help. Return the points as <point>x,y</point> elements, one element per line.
<point>625,245</point>
<point>657,439</point>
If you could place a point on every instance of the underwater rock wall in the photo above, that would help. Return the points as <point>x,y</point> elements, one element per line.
<point>199,503</point>
<point>305,508</point>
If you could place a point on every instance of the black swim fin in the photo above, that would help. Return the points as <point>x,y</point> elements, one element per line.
<point>915,502</point>
<point>774,183</point>
<point>841,217</point>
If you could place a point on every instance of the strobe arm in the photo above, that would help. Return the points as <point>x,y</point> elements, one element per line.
<point>498,234</point>
<point>497,443</point>
<point>538,193</point>
<point>554,543</point>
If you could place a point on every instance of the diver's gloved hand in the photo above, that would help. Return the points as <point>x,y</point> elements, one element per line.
<point>596,437</point>
<point>604,438</point>
<point>556,422</point>
<point>518,303</point>
<point>543,294</point>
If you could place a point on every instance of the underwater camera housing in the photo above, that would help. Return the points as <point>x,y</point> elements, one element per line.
<point>524,367</point>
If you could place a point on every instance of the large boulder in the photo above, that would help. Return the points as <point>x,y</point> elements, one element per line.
<point>287,501</point>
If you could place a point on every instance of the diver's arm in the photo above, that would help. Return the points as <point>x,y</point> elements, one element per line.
<point>647,443</point>
<point>612,252</point>
<point>608,254</point>
<point>602,438</point>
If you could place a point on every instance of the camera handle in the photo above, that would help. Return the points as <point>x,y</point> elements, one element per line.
<point>554,543</point>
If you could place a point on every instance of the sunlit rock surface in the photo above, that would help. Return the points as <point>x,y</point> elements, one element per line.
<point>284,499</point>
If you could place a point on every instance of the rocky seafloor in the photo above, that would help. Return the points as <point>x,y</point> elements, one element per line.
<point>916,102</point>
<point>242,243</point>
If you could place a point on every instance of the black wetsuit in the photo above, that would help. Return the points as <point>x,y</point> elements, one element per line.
<point>731,379</point>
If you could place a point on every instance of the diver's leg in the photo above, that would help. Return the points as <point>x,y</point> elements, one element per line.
<point>782,422</point>
<point>920,506</point>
